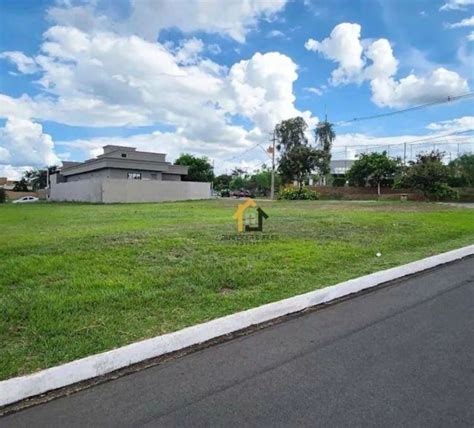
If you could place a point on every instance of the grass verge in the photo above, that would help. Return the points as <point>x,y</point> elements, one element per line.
<point>78,279</point>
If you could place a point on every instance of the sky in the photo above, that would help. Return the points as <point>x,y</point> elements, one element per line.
<point>214,77</point>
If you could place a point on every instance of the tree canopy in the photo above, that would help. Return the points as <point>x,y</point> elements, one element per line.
<point>325,135</point>
<point>372,168</point>
<point>199,169</point>
<point>298,159</point>
<point>462,171</point>
<point>428,174</point>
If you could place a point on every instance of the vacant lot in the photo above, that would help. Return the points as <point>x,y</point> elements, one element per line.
<point>78,279</point>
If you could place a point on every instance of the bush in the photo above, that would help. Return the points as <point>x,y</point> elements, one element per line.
<point>339,181</point>
<point>293,193</point>
<point>443,192</point>
<point>3,195</point>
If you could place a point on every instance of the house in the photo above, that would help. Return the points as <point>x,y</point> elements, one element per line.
<point>123,174</point>
<point>7,184</point>
<point>341,166</point>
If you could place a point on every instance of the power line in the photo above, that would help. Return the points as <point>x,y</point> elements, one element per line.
<point>242,154</point>
<point>418,107</point>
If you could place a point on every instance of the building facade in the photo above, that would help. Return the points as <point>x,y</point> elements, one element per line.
<point>123,174</point>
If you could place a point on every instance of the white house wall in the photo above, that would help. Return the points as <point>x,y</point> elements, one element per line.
<point>77,191</point>
<point>117,190</point>
<point>153,191</point>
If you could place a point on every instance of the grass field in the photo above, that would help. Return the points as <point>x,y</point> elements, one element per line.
<point>77,279</point>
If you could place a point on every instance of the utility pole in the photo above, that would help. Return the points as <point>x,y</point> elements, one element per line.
<point>345,159</point>
<point>404,154</point>
<point>272,189</point>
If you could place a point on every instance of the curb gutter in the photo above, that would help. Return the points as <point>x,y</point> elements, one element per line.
<point>20,388</point>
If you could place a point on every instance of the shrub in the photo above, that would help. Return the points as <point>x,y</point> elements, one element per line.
<point>339,181</point>
<point>293,193</point>
<point>443,192</point>
<point>3,195</point>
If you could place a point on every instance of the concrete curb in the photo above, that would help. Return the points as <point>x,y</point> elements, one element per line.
<point>19,388</point>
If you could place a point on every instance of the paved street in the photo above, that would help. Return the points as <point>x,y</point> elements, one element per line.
<point>400,356</point>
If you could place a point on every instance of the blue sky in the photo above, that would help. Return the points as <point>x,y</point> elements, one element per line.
<point>195,76</point>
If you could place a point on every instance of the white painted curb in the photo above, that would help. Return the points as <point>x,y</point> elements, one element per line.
<point>22,387</point>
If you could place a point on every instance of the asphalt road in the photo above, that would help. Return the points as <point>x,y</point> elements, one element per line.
<point>399,356</point>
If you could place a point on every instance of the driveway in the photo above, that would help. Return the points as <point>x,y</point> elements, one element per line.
<point>399,356</point>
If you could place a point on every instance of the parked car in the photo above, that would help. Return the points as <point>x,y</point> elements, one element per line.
<point>225,193</point>
<point>242,194</point>
<point>26,200</point>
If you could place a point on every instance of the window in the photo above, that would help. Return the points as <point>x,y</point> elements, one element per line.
<point>124,155</point>
<point>134,175</point>
<point>154,176</point>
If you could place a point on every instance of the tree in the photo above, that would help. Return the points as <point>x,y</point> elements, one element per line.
<point>237,172</point>
<point>260,182</point>
<point>462,171</point>
<point>199,168</point>
<point>222,182</point>
<point>298,158</point>
<point>372,169</point>
<point>325,135</point>
<point>21,186</point>
<point>428,174</point>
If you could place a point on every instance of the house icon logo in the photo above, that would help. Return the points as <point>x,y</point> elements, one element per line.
<point>247,220</point>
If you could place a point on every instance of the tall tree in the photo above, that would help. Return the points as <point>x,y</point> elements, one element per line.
<point>372,169</point>
<point>21,185</point>
<point>38,178</point>
<point>462,171</point>
<point>325,135</point>
<point>222,181</point>
<point>428,174</point>
<point>199,169</point>
<point>298,158</point>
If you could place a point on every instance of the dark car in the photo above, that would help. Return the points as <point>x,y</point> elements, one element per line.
<point>225,193</point>
<point>242,194</point>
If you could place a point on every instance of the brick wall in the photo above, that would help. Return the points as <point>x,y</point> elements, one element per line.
<point>11,195</point>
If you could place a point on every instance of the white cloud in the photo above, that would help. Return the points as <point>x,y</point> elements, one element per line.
<point>22,142</point>
<point>344,47</point>
<point>189,51</point>
<point>456,5</point>
<point>102,76</point>
<point>274,34</point>
<point>148,17</point>
<point>410,90</point>
<point>262,89</point>
<point>360,60</point>
<point>459,124</point>
<point>13,172</point>
<point>466,22</point>
<point>93,80</point>
<point>24,64</point>
<point>384,64</point>
<point>470,36</point>
<point>314,90</point>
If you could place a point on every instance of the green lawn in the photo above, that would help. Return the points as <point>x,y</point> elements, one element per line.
<point>77,279</point>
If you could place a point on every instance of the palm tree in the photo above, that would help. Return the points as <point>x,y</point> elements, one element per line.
<point>325,135</point>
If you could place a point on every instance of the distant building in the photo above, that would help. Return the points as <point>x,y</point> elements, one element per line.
<point>7,184</point>
<point>341,166</point>
<point>123,174</point>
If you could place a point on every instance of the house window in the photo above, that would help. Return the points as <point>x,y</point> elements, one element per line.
<point>124,155</point>
<point>154,176</point>
<point>134,175</point>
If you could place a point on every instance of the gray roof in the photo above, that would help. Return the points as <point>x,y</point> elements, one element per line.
<point>129,158</point>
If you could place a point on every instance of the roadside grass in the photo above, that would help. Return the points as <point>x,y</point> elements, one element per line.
<point>78,279</point>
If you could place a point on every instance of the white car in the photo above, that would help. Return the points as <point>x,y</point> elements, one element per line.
<point>25,200</point>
